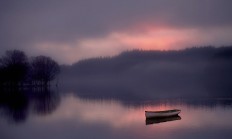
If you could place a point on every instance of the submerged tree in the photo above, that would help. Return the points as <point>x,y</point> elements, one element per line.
<point>13,67</point>
<point>43,70</point>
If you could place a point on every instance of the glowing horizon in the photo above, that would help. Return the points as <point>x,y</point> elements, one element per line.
<point>163,38</point>
<point>69,31</point>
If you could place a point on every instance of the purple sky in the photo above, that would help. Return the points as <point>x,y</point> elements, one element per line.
<point>70,30</point>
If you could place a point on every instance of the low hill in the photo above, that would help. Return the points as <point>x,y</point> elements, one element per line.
<point>192,72</point>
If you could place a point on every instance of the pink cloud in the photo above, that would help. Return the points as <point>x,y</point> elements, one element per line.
<point>147,38</point>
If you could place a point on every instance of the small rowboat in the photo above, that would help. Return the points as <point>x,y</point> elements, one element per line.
<point>159,114</point>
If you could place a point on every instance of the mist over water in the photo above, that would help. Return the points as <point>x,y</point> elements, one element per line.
<point>195,72</point>
<point>106,98</point>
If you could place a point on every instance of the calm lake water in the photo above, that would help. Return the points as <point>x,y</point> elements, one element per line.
<point>68,116</point>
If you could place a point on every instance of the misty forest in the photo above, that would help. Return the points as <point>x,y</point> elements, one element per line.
<point>191,72</point>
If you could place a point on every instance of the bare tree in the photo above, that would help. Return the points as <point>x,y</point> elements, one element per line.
<point>14,66</point>
<point>43,70</point>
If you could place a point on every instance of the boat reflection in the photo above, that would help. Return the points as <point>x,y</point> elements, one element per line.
<point>150,121</point>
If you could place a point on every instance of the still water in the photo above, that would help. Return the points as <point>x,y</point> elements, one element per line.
<point>68,116</point>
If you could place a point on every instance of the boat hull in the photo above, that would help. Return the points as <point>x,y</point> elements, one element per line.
<point>159,114</point>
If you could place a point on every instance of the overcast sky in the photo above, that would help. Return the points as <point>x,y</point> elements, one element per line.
<point>70,30</point>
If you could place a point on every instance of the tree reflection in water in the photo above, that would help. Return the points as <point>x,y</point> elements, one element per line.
<point>17,104</point>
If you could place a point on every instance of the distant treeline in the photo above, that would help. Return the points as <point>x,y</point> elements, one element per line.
<point>16,69</point>
<point>198,71</point>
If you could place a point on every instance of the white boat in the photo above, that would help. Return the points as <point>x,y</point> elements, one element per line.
<point>167,113</point>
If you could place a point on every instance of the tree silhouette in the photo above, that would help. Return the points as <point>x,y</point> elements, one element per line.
<point>43,70</point>
<point>13,67</point>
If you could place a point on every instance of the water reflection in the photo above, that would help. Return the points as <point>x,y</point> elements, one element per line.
<point>109,118</point>
<point>16,105</point>
<point>45,102</point>
<point>150,121</point>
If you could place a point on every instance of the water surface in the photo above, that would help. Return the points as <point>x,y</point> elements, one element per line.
<point>67,115</point>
